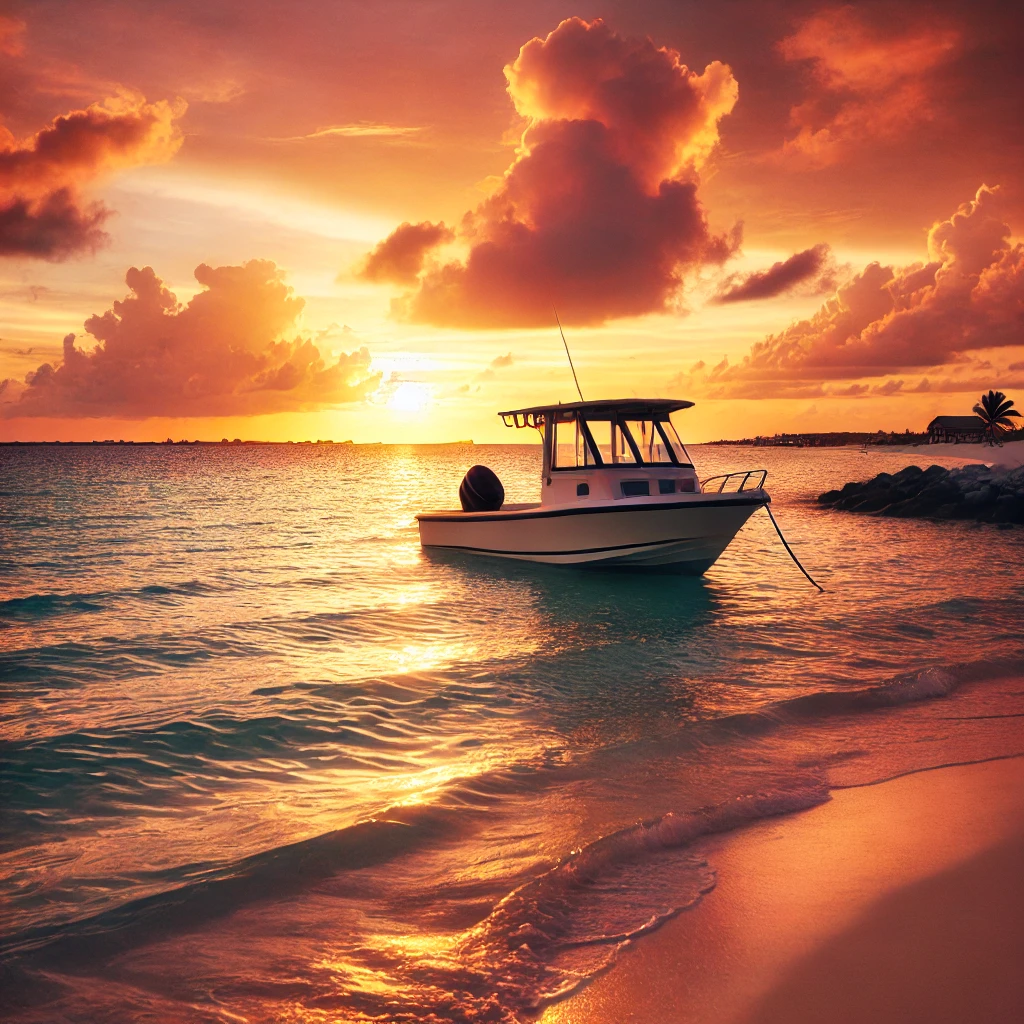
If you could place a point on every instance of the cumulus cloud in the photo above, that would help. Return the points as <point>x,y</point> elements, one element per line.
<point>598,214</point>
<point>814,268</point>
<point>969,296</point>
<point>41,212</point>
<point>54,227</point>
<point>497,363</point>
<point>867,80</point>
<point>970,385</point>
<point>852,391</point>
<point>225,352</point>
<point>399,258</point>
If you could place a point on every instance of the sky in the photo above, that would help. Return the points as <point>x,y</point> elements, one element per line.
<point>332,220</point>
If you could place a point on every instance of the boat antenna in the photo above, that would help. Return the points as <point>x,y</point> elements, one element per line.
<point>569,357</point>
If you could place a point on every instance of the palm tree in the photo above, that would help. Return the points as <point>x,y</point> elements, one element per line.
<point>995,409</point>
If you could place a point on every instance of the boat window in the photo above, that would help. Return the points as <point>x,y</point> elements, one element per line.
<point>651,443</point>
<point>585,441</point>
<point>601,432</point>
<point>565,444</point>
<point>574,446</point>
<point>588,452</point>
<point>671,438</point>
<point>621,449</point>
<point>636,488</point>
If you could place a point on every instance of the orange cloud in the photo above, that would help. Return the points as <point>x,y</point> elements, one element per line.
<point>970,296</point>
<point>598,214</point>
<point>223,353</point>
<point>813,267</point>
<point>12,36</point>
<point>399,258</point>
<point>41,214</point>
<point>54,227</point>
<point>868,81</point>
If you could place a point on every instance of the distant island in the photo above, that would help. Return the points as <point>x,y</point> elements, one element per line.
<point>222,441</point>
<point>834,439</point>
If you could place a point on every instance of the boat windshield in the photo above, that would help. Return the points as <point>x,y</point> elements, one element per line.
<point>583,441</point>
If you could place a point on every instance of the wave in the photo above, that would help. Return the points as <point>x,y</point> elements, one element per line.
<point>73,664</point>
<point>526,947</point>
<point>539,943</point>
<point>40,606</point>
<point>909,688</point>
<point>553,934</point>
<point>46,605</point>
<point>222,889</point>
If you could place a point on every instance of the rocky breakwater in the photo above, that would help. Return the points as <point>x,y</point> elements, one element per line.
<point>981,493</point>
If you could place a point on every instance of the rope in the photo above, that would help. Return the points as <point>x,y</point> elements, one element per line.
<point>785,544</point>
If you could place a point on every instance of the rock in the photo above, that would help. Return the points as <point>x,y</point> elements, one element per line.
<point>908,474</point>
<point>940,493</point>
<point>1009,508</point>
<point>982,493</point>
<point>982,496</point>
<point>874,502</point>
<point>907,509</point>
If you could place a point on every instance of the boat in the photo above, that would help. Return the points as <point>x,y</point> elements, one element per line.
<point>618,491</point>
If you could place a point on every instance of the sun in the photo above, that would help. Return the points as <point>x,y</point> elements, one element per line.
<point>409,396</point>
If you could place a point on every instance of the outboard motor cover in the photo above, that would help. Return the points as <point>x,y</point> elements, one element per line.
<point>481,490</point>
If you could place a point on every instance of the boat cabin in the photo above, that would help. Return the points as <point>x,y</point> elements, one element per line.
<point>605,450</point>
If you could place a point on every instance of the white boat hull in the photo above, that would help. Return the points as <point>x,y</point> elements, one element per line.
<point>682,534</point>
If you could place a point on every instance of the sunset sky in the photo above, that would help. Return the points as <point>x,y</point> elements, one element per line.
<point>353,221</point>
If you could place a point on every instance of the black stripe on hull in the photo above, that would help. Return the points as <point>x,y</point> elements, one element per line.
<point>476,517</point>
<point>558,554</point>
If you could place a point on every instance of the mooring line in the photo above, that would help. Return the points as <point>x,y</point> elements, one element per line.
<point>785,544</point>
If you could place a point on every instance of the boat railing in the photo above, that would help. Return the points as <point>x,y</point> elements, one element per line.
<point>735,482</point>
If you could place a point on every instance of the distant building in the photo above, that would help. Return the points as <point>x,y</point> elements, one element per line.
<point>956,429</point>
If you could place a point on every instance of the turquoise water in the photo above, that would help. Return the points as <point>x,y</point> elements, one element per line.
<point>264,760</point>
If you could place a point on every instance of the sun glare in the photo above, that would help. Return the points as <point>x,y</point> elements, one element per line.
<point>409,396</point>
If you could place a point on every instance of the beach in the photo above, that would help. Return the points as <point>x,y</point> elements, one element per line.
<point>896,902</point>
<point>1010,454</point>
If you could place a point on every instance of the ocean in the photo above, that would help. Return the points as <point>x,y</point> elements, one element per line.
<point>264,760</point>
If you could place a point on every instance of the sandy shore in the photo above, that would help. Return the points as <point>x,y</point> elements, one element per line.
<point>897,902</point>
<point>1011,454</point>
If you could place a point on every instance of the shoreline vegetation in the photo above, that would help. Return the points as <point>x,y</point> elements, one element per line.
<point>984,494</point>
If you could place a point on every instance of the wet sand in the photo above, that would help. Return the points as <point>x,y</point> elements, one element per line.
<point>902,902</point>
